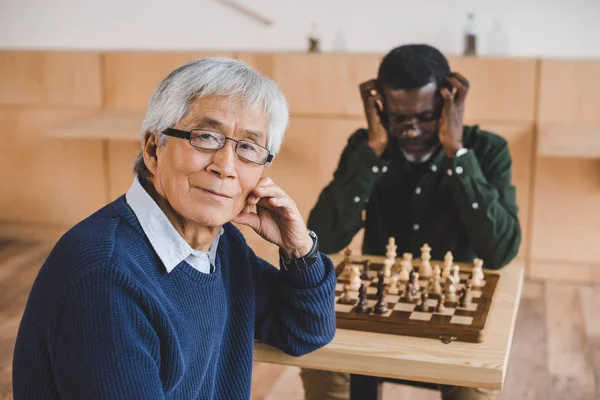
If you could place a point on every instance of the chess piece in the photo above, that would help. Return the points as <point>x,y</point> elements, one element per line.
<point>346,299</point>
<point>466,298</point>
<point>355,281</point>
<point>451,290</point>
<point>448,260</point>
<point>423,305</point>
<point>411,291</point>
<point>413,277</point>
<point>425,265</point>
<point>347,264</point>
<point>440,305</point>
<point>393,286</point>
<point>362,305</point>
<point>406,267</point>
<point>390,257</point>
<point>477,276</point>
<point>455,275</point>
<point>365,273</point>
<point>381,305</point>
<point>435,285</point>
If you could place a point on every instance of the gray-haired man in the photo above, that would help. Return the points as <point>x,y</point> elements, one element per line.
<point>157,294</point>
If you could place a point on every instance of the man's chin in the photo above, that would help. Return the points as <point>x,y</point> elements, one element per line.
<point>418,157</point>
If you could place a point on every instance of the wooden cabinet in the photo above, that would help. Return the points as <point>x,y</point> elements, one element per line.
<point>130,77</point>
<point>47,182</point>
<point>32,78</point>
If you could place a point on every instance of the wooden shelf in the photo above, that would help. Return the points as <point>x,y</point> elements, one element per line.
<point>569,140</point>
<point>107,124</point>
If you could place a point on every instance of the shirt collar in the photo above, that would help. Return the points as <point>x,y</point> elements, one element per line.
<point>164,238</point>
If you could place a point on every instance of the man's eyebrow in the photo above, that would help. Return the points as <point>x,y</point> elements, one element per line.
<point>256,134</point>
<point>215,123</point>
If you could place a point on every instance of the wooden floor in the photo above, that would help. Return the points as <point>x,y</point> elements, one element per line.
<point>555,354</point>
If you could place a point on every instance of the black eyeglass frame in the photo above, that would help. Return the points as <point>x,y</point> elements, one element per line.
<point>178,133</point>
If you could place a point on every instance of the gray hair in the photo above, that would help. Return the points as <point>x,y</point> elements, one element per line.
<point>173,96</point>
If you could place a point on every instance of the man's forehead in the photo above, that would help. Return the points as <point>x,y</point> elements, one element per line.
<point>401,100</point>
<point>226,112</point>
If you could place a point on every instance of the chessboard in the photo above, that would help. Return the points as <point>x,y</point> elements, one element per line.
<point>456,310</point>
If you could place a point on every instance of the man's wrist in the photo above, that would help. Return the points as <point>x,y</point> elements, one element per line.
<point>453,150</point>
<point>378,148</point>
<point>288,259</point>
<point>298,252</point>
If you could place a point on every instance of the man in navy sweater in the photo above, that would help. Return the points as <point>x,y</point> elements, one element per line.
<point>157,295</point>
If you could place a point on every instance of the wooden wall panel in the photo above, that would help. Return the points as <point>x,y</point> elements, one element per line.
<point>309,155</point>
<point>121,156</point>
<point>35,78</point>
<point>130,77</point>
<point>501,90</point>
<point>262,62</point>
<point>47,181</point>
<point>324,84</point>
<point>521,144</point>
<point>570,92</point>
<point>566,216</point>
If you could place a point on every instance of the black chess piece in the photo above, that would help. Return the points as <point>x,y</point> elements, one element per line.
<point>362,305</point>
<point>412,276</point>
<point>381,305</point>
<point>365,272</point>
<point>466,298</point>
<point>440,305</point>
<point>423,305</point>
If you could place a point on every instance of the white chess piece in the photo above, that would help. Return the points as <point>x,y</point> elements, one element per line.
<point>451,290</point>
<point>406,267</point>
<point>435,285</point>
<point>425,265</point>
<point>393,285</point>
<point>448,261</point>
<point>390,257</point>
<point>355,281</point>
<point>477,276</point>
<point>455,276</point>
<point>417,284</point>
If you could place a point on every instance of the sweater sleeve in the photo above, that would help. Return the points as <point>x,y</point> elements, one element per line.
<point>295,310</point>
<point>337,216</point>
<point>103,345</point>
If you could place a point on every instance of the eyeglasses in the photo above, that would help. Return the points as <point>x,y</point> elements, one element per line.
<point>398,124</point>
<point>211,140</point>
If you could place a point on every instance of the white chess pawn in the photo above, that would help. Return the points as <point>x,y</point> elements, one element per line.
<point>355,281</point>
<point>448,261</point>
<point>435,285</point>
<point>417,284</point>
<point>390,257</point>
<point>393,285</point>
<point>477,276</point>
<point>425,265</point>
<point>451,291</point>
<point>405,270</point>
<point>455,276</point>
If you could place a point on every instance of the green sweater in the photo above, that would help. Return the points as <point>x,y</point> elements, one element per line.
<point>466,205</point>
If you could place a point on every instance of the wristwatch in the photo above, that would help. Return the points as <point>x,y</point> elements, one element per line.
<point>304,262</point>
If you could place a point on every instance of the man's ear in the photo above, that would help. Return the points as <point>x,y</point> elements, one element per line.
<point>151,152</point>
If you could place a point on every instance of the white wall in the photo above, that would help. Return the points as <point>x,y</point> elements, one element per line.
<point>545,28</point>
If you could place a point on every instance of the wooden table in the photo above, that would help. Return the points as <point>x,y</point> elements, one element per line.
<point>481,365</point>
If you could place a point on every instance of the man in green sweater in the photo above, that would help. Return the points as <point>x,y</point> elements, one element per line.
<point>420,175</point>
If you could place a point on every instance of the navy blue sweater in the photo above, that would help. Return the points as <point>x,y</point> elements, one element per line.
<point>104,319</point>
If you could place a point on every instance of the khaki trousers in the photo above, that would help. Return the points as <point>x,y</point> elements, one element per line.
<point>328,385</point>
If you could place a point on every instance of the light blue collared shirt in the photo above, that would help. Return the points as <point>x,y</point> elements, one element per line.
<point>166,241</point>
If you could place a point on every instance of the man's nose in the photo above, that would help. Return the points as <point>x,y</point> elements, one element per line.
<point>223,160</point>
